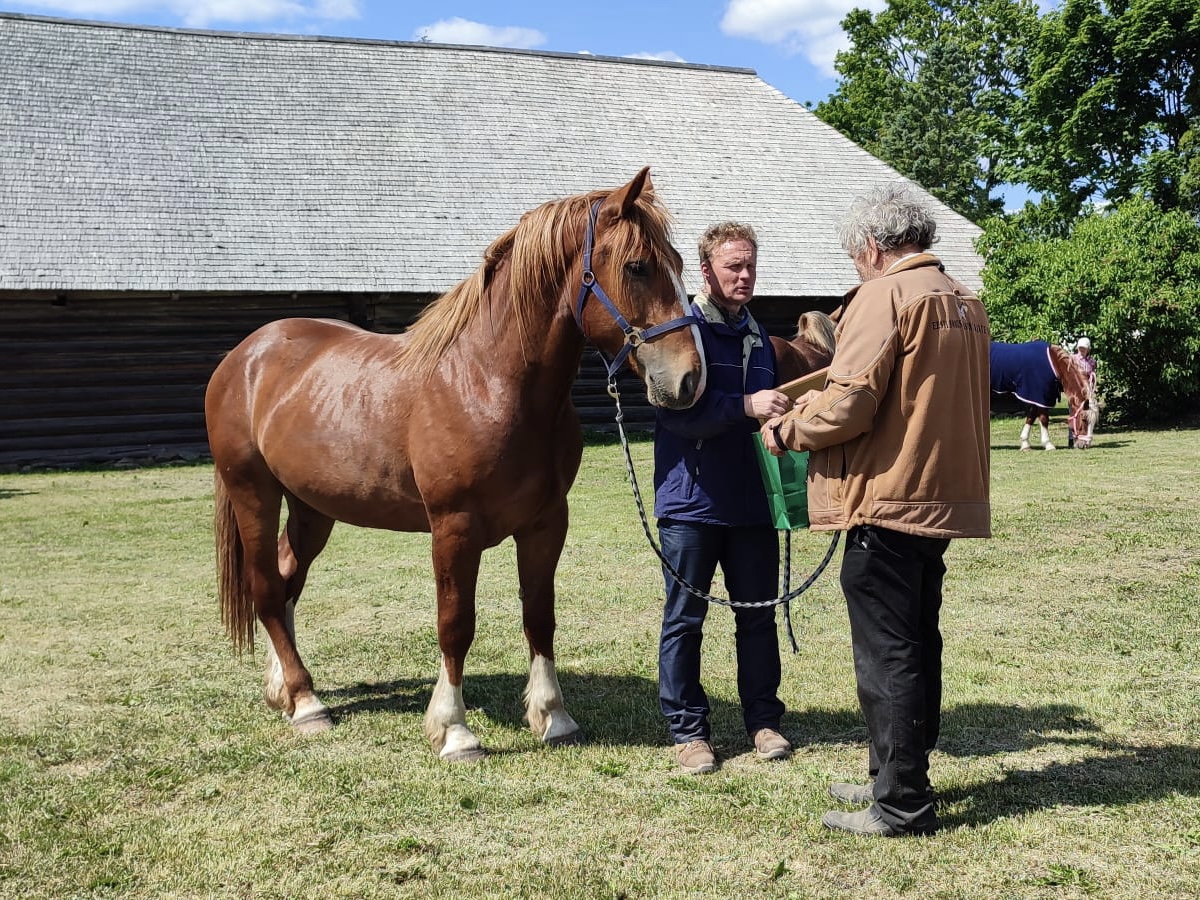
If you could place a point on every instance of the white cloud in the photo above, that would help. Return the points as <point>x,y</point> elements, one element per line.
<point>203,13</point>
<point>664,55</point>
<point>809,27</point>
<point>462,31</point>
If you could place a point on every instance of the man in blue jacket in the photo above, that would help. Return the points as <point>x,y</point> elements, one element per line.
<point>712,510</point>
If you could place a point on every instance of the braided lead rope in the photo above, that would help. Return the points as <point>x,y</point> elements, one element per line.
<point>787,597</point>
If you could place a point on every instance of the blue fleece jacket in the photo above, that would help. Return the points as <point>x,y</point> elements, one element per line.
<point>705,466</point>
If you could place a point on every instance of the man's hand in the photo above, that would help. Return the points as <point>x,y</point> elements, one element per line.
<point>768,434</point>
<point>766,404</point>
<point>804,399</point>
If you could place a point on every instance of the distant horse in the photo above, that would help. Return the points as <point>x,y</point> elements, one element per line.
<point>462,427</point>
<point>1036,373</point>
<point>809,350</point>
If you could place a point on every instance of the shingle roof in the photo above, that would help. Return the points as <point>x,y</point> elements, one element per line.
<point>150,159</point>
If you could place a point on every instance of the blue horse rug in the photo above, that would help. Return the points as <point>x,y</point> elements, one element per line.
<point>1026,371</point>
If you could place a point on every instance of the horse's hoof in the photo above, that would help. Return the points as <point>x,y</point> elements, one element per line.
<point>571,739</point>
<point>466,755</point>
<point>1049,446</point>
<point>313,722</point>
<point>1024,447</point>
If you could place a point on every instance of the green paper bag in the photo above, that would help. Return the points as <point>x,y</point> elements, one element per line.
<point>786,480</point>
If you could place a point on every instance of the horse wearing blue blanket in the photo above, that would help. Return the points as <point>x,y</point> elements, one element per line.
<point>1037,373</point>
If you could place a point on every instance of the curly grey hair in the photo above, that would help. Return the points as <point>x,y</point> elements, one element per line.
<point>893,216</point>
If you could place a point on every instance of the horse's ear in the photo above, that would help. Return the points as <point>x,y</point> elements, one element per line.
<point>623,198</point>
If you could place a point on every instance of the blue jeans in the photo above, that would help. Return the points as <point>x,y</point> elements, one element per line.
<point>749,559</point>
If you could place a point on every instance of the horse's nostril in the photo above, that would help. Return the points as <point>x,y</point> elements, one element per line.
<point>687,390</point>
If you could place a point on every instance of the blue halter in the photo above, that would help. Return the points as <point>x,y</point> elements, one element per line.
<point>634,337</point>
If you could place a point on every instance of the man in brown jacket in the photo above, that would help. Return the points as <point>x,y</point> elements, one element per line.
<point>899,442</point>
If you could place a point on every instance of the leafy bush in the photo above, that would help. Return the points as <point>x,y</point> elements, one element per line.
<point>1127,277</point>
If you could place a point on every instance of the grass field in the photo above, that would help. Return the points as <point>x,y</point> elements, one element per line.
<point>138,760</point>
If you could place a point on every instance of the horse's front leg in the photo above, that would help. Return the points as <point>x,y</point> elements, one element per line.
<point>456,569</point>
<point>538,550</point>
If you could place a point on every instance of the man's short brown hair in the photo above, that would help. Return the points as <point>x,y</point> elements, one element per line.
<point>718,234</point>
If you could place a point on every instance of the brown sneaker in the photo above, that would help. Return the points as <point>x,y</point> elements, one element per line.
<point>696,757</point>
<point>770,744</point>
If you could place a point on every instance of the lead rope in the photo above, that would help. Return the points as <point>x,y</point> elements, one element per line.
<point>788,595</point>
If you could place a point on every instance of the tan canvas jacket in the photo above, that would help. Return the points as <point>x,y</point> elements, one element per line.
<point>900,436</point>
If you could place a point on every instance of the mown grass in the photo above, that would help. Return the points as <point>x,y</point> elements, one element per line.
<point>137,759</point>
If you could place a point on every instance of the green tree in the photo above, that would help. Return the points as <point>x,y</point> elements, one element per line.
<point>1128,277</point>
<point>1110,104</point>
<point>932,88</point>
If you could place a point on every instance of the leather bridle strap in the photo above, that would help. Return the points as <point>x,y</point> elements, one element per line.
<point>634,337</point>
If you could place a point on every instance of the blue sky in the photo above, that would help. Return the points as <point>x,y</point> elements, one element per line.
<point>790,43</point>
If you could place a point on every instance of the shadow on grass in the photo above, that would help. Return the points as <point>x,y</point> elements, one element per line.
<point>610,709</point>
<point>6,493</point>
<point>1099,445</point>
<point>1112,774</point>
<point>1120,775</point>
<point>623,710</point>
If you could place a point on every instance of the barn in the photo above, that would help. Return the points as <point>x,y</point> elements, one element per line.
<point>163,192</point>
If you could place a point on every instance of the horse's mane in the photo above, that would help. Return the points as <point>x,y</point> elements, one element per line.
<point>816,328</point>
<point>1075,382</point>
<point>536,256</point>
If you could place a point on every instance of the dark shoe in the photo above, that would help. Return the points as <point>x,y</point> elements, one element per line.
<point>770,744</point>
<point>867,822</point>
<point>852,794</point>
<point>696,757</point>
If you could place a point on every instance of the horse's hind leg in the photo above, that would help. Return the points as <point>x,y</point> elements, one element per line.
<point>1044,424</point>
<point>1029,417</point>
<point>538,552</point>
<point>304,537</point>
<point>257,498</point>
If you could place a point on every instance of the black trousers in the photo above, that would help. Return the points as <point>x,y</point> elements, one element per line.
<point>893,587</point>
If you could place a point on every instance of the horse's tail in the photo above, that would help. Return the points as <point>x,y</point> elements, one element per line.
<point>237,607</point>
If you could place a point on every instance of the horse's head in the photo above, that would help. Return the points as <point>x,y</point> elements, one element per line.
<point>1082,411</point>
<point>642,314</point>
<point>1085,414</point>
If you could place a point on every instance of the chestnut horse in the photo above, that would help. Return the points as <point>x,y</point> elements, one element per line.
<point>810,349</point>
<point>462,427</point>
<point>1036,373</point>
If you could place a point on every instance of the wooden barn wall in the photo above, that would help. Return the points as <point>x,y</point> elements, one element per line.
<point>100,378</point>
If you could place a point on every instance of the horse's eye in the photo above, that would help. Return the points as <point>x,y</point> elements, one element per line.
<point>638,268</point>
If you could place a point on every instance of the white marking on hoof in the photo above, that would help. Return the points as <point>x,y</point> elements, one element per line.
<point>461,746</point>
<point>274,688</point>
<point>446,721</point>
<point>548,718</point>
<point>1049,446</point>
<point>1025,445</point>
<point>563,731</point>
<point>310,716</point>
